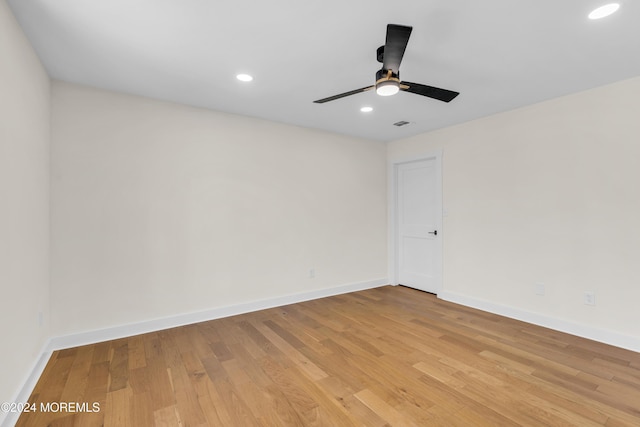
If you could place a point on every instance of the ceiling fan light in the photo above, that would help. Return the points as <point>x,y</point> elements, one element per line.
<point>387,88</point>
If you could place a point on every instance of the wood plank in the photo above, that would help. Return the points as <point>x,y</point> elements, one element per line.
<point>136,357</point>
<point>383,409</point>
<point>118,408</point>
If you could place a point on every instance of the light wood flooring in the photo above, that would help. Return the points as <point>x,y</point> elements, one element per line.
<point>390,356</point>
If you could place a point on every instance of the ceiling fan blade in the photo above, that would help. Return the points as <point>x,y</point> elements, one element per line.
<point>342,95</point>
<point>397,39</point>
<point>430,91</point>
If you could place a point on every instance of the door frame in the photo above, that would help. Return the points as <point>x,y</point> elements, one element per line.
<point>393,234</point>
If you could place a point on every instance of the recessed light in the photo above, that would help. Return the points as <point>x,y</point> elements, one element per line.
<point>244,77</point>
<point>366,109</point>
<point>603,11</point>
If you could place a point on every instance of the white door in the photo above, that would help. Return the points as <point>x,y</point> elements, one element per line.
<point>418,215</point>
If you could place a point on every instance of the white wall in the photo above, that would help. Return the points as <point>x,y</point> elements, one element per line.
<point>160,209</point>
<point>24,206</point>
<point>549,193</point>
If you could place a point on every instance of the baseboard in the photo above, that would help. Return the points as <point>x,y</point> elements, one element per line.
<point>601,335</point>
<point>9,419</point>
<point>91,337</point>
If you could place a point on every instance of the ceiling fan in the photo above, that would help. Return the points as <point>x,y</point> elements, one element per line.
<point>388,78</point>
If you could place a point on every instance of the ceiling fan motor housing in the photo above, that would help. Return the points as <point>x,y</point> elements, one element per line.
<point>387,82</point>
<point>384,75</point>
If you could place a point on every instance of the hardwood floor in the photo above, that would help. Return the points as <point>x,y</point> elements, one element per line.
<point>390,356</point>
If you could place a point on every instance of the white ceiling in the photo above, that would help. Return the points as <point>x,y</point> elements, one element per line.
<point>499,54</point>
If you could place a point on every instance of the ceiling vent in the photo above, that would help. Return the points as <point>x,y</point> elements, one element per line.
<point>401,123</point>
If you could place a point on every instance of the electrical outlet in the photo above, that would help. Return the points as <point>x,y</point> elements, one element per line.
<point>312,273</point>
<point>538,288</point>
<point>590,298</point>
<point>40,319</point>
